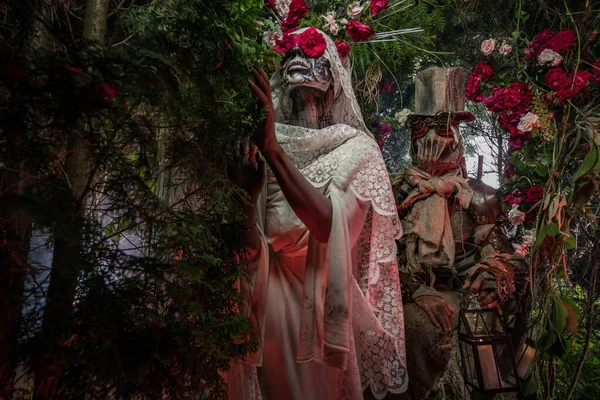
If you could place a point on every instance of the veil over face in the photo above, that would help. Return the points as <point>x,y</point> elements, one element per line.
<point>344,110</point>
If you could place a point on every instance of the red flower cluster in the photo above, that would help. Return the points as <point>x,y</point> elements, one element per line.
<point>482,72</point>
<point>298,10</point>
<point>358,31</point>
<point>377,6</point>
<point>533,195</point>
<point>565,85</point>
<point>343,49</point>
<point>310,41</point>
<point>513,198</point>
<point>548,40</point>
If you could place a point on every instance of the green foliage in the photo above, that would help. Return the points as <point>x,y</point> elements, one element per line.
<point>155,290</point>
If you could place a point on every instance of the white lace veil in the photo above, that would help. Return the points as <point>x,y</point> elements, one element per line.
<point>345,109</point>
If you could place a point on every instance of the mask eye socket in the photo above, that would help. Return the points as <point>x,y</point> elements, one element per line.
<point>443,123</point>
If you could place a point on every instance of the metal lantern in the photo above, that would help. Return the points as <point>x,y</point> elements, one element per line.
<point>488,360</point>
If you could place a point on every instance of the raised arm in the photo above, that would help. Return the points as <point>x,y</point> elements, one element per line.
<point>309,204</point>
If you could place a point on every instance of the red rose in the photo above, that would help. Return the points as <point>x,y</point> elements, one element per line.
<point>358,31</point>
<point>533,195</point>
<point>484,70</point>
<point>557,79</point>
<point>513,199</point>
<point>343,48</point>
<point>516,97</point>
<point>539,43</point>
<point>472,89</point>
<point>509,171</point>
<point>377,6</point>
<point>297,10</point>
<point>579,80</point>
<point>510,121</point>
<point>562,40</point>
<point>285,44</point>
<point>517,142</point>
<point>312,43</point>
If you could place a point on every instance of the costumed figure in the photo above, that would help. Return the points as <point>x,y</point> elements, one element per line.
<point>453,239</point>
<point>322,285</point>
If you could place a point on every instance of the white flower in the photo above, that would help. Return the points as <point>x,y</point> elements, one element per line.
<point>282,7</point>
<point>529,237</point>
<point>550,56</point>
<point>270,37</point>
<point>402,116</point>
<point>529,122</point>
<point>354,9</point>
<point>344,21</point>
<point>505,49</point>
<point>488,46</point>
<point>331,24</point>
<point>515,216</point>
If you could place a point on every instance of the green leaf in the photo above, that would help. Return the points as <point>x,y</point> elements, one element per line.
<point>559,314</point>
<point>541,235</point>
<point>590,162</point>
<point>541,170</point>
<point>546,340</point>
<point>570,242</point>
<point>552,229</point>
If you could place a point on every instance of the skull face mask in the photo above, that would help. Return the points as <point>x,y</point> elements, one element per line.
<point>301,71</point>
<point>436,144</point>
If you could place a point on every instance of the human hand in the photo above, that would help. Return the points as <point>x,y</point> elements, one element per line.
<point>484,286</point>
<point>247,169</point>
<point>438,311</point>
<point>265,136</point>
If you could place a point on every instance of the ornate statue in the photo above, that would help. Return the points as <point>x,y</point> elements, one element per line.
<point>453,238</point>
<point>322,285</point>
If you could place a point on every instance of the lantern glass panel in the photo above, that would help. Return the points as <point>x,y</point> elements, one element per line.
<point>484,323</point>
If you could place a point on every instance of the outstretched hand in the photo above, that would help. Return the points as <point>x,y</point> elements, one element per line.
<point>484,286</point>
<point>265,136</point>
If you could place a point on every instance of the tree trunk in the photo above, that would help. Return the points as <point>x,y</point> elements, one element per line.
<point>67,261</point>
<point>15,219</point>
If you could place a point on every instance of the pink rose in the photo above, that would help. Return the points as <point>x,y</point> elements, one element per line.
<point>549,56</point>
<point>529,122</point>
<point>488,46</point>
<point>515,216</point>
<point>354,9</point>
<point>358,31</point>
<point>505,49</point>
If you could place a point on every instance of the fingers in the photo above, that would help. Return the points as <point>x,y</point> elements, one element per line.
<point>432,317</point>
<point>262,97</point>
<point>262,79</point>
<point>486,298</point>
<point>476,285</point>
<point>444,315</point>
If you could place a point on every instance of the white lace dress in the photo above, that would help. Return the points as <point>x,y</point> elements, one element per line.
<point>328,316</point>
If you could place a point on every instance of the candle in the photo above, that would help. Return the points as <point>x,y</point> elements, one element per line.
<point>488,367</point>
<point>526,360</point>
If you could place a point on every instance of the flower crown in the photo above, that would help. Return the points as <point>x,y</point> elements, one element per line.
<point>355,29</point>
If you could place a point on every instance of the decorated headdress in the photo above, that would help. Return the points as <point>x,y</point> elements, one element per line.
<point>345,109</point>
<point>348,22</point>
